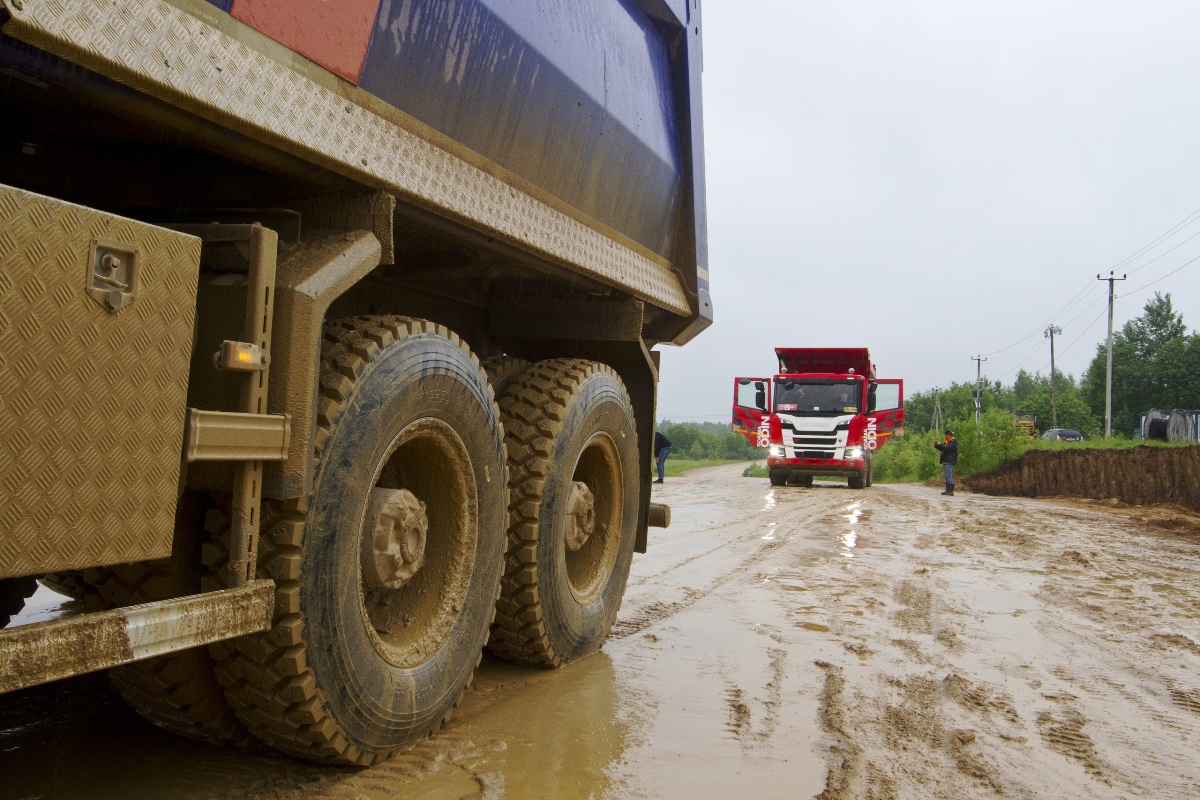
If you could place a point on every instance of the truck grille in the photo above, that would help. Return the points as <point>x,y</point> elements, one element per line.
<point>807,444</point>
<point>799,443</point>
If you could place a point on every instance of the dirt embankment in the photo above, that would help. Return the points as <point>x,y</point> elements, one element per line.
<point>1139,476</point>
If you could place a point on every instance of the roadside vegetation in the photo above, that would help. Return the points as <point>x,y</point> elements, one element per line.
<point>1156,364</point>
<point>704,444</point>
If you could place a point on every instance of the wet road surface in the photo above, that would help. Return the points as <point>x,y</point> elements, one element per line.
<point>781,642</point>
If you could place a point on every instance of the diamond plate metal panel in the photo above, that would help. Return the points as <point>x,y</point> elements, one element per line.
<point>167,53</point>
<point>92,402</point>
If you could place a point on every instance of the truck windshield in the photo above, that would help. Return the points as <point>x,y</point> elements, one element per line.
<point>816,397</point>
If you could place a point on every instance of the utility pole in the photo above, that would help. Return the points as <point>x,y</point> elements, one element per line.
<point>978,385</point>
<point>1050,333</point>
<point>1108,382</point>
<point>936,422</point>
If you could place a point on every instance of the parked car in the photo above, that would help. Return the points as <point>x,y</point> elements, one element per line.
<point>1063,435</point>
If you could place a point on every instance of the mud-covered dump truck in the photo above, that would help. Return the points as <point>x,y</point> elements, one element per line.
<point>326,339</point>
<point>824,414</point>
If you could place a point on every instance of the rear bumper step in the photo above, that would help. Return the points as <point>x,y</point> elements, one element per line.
<point>47,651</point>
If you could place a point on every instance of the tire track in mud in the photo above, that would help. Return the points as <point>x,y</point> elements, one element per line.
<point>740,724</point>
<point>639,613</point>
<point>942,713</point>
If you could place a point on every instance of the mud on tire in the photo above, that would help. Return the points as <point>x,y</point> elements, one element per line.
<point>502,370</point>
<point>778,477</point>
<point>349,672</point>
<point>180,691</point>
<point>568,424</point>
<point>69,584</point>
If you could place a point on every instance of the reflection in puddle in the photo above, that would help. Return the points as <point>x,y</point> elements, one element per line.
<point>518,733</point>
<point>770,498</point>
<point>770,534</point>
<point>849,539</point>
<point>45,605</point>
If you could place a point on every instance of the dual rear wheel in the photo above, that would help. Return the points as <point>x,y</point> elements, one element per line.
<point>439,521</point>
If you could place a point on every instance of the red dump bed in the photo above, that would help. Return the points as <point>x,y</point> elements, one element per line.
<point>838,360</point>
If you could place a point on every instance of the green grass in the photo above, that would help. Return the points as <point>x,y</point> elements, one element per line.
<point>677,466</point>
<point>994,443</point>
<point>1100,443</point>
<point>756,470</point>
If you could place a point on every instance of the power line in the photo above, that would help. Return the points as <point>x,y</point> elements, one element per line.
<point>1101,314</point>
<point>1034,346</point>
<point>1090,286</point>
<point>1084,310</point>
<point>966,367</point>
<point>1171,232</point>
<point>1024,361</point>
<point>1167,253</point>
<point>1164,277</point>
<point>1081,335</point>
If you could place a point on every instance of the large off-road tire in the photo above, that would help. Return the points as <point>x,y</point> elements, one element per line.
<point>351,672</point>
<point>69,584</point>
<point>13,592</point>
<point>870,468</point>
<point>568,424</point>
<point>858,481</point>
<point>501,370</point>
<point>800,480</point>
<point>180,691</point>
<point>779,477</point>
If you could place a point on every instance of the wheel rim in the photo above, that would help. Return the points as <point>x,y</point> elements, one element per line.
<point>590,564</point>
<point>409,624</point>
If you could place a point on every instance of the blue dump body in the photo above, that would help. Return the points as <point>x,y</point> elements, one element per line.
<point>576,100</point>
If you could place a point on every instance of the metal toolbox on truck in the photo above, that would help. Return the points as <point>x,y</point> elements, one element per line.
<point>96,328</point>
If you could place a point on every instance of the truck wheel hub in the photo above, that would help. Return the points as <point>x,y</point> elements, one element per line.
<point>393,544</point>
<point>581,515</point>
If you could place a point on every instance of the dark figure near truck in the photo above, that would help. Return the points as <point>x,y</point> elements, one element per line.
<point>948,459</point>
<point>662,449</point>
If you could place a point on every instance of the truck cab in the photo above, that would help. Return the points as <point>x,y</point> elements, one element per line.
<point>825,413</point>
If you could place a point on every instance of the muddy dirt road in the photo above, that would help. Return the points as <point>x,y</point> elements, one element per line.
<point>777,643</point>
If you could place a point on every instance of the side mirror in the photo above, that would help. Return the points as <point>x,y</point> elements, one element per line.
<point>871,399</point>
<point>760,398</point>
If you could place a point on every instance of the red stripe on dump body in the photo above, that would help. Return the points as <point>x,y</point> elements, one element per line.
<point>333,34</point>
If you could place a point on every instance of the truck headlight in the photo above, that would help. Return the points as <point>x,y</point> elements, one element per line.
<point>853,452</point>
<point>776,450</point>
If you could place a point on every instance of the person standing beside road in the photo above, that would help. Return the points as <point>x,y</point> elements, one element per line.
<point>662,449</point>
<point>948,459</point>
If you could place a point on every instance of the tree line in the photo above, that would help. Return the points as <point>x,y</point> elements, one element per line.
<point>1156,364</point>
<point>707,440</point>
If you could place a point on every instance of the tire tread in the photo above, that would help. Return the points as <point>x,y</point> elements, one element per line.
<point>266,676</point>
<point>178,692</point>
<point>533,410</point>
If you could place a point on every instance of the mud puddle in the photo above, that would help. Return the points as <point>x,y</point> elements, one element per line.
<point>782,642</point>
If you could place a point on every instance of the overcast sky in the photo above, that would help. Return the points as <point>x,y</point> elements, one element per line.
<point>937,180</point>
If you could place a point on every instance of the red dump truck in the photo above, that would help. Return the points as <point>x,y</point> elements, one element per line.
<point>825,413</point>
